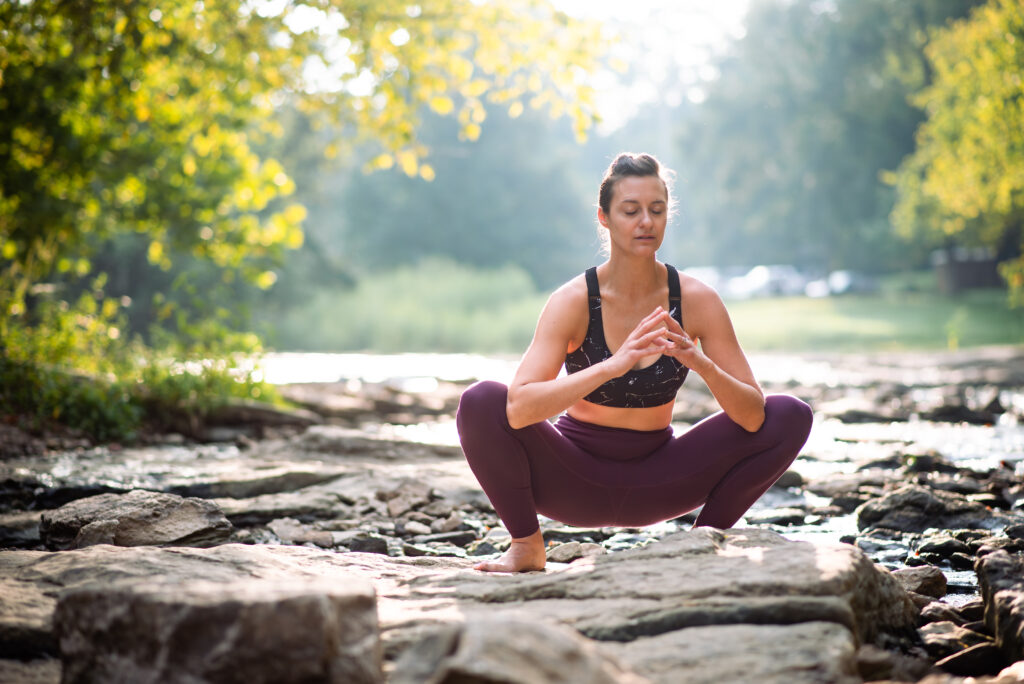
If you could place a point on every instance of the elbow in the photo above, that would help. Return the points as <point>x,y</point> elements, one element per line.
<point>755,420</point>
<point>514,414</point>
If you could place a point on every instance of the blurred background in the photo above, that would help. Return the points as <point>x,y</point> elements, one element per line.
<point>189,180</point>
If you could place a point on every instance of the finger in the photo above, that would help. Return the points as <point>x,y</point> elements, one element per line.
<point>654,322</point>
<point>673,324</point>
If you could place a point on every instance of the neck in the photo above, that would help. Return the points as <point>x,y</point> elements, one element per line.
<point>628,275</point>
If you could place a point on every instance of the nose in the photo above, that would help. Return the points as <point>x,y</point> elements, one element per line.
<point>645,218</point>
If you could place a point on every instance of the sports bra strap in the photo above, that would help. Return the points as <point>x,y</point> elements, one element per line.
<point>674,297</point>
<point>593,291</point>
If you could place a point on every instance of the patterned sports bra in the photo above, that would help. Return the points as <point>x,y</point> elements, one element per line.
<point>654,385</point>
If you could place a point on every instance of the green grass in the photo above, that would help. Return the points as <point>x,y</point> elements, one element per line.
<point>442,306</point>
<point>892,321</point>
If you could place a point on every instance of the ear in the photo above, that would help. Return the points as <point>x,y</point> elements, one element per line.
<point>602,218</point>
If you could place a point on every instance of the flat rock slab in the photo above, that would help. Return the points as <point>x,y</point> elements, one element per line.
<point>246,630</point>
<point>137,518</point>
<point>829,596</point>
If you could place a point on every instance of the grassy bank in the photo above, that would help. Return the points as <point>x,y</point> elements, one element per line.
<point>886,321</point>
<point>440,306</point>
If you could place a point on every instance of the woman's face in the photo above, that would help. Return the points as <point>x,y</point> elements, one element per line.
<point>637,215</point>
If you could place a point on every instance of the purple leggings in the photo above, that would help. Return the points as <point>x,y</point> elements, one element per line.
<point>590,475</point>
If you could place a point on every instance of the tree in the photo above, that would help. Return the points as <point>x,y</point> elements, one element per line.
<point>120,117</point>
<point>782,160</point>
<point>965,179</point>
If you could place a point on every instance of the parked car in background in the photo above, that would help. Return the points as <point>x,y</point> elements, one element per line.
<point>767,281</point>
<point>839,283</point>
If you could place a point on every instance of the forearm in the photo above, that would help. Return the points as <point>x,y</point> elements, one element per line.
<point>742,402</point>
<point>533,402</point>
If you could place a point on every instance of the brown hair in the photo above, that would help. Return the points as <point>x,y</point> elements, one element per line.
<point>629,164</point>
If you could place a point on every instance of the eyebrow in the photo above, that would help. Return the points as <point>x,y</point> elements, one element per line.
<point>633,201</point>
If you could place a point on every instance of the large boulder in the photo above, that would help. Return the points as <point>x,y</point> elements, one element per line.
<point>721,589</point>
<point>1001,580</point>
<point>913,508</point>
<point>246,630</point>
<point>138,518</point>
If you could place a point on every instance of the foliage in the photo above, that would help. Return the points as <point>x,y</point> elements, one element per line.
<point>434,305</point>
<point>782,160</point>
<point>73,366</point>
<point>966,177</point>
<point>120,116</point>
<point>131,140</point>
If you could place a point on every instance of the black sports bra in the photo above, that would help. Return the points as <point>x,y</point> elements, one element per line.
<point>654,385</point>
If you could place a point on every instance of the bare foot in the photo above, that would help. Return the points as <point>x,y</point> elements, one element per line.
<point>526,553</point>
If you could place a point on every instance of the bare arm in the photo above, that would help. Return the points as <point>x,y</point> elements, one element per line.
<point>719,360</point>
<point>537,393</point>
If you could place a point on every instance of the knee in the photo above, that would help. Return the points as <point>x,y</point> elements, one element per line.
<point>485,398</point>
<point>791,416</point>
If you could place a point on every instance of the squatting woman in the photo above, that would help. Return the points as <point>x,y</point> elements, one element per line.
<point>627,331</point>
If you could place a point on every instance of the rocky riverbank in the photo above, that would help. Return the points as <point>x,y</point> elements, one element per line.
<point>310,547</point>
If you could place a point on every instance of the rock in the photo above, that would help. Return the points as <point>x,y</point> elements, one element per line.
<point>455,538</point>
<point>450,524</point>
<point>790,478</point>
<point>311,503</point>
<point>138,518</point>
<point>925,580</point>
<point>806,653</point>
<point>416,528</point>
<point>38,671</point>
<point>944,546</point>
<point>292,531</point>
<point>980,659</point>
<point>570,551</point>
<point>913,508</point>
<point>874,663</point>
<point>19,529</point>
<point>937,611</point>
<point>359,540</point>
<point>943,639</point>
<point>407,496</point>
<point>248,630</point>
<point>340,441</point>
<point>1001,581</point>
<point>777,516</point>
<point>493,651</point>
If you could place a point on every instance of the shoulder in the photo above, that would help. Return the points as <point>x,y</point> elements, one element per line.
<point>566,310</point>
<point>701,302</point>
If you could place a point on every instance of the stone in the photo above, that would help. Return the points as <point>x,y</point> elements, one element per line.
<point>19,529</point>
<point>777,516</point>
<point>310,503</point>
<point>980,659</point>
<point>570,551</point>
<point>806,653</point>
<point>913,508</point>
<point>1001,581</point>
<point>362,541</point>
<point>926,579</point>
<point>248,630</point>
<point>292,531</point>
<point>944,546</point>
<point>38,671</point>
<point>416,528</point>
<point>493,651</point>
<point>943,639</point>
<point>138,518</point>
<point>937,611</point>
<point>450,524</point>
<point>815,600</point>
<point>790,478</point>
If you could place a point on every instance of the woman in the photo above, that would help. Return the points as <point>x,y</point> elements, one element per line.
<point>611,458</point>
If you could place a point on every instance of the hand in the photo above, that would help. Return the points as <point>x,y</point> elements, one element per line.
<point>683,348</point>
<point>647,338</point>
